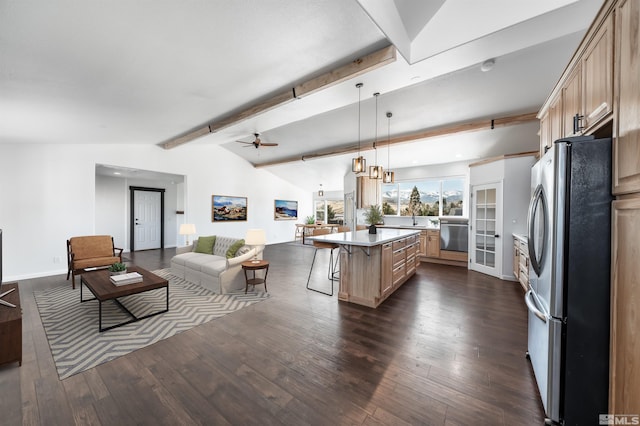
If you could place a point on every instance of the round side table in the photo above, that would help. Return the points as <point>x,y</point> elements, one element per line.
<point>255,265</point>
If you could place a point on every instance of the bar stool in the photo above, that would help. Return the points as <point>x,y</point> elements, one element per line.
<point>331,276</point>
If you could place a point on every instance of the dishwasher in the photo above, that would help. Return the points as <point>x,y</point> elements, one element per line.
<point>454,234</point>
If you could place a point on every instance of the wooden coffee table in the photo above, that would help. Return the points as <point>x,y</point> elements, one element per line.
<point>103,289</point>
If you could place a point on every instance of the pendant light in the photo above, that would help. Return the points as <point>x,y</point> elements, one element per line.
<point>358,164</point>
<point>320,191</point>
<point>388,176</point>
<point>375,171</point>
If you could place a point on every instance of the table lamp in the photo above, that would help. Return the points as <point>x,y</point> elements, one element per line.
<point>187,229</point>
<point>255,238</point>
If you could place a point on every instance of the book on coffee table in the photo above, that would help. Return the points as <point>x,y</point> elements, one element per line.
<point>129,278</point>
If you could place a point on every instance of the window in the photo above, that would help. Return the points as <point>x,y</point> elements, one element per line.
<point>432,197</point>
<point>330,211</point>
<point>320,206</point>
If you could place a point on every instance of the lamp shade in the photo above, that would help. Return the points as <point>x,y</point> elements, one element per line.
<point>187,229</point>
<point>255,237</point>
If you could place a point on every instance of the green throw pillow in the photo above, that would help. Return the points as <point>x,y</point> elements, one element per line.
<point>234,248</point>
<point>205,244</point>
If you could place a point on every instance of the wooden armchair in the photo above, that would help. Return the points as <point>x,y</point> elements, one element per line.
<point>93,251</point>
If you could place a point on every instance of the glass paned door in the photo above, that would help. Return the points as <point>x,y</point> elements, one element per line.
<point>487,248</point>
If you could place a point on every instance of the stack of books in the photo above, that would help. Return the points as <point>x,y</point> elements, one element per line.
<point>123,279</point>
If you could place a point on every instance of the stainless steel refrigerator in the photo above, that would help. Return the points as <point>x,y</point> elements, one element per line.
<point>569,231</point>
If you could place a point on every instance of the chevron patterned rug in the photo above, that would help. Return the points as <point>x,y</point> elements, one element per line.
<point>72,327</point>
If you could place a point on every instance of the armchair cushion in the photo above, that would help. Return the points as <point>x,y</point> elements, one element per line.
<point>92,246</point>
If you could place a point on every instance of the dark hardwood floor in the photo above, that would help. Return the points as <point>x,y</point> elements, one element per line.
<point>446,349</point>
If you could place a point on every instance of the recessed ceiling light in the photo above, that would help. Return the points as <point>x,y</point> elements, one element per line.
<point>116,173</point>
<point>415,77</point>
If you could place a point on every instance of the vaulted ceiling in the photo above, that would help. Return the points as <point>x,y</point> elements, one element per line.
<point>149,72</point>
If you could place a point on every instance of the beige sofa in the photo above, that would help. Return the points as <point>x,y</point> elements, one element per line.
<point>215,271</point>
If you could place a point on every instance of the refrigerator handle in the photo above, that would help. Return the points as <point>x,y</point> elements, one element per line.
<point>531,305</point>
<point>537,198</point>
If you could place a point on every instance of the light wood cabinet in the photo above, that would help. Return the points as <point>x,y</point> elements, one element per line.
<point>626,142</point>
<point>516,258</point>
<point>386,266</point>
<point>422,249</point>
<point>551,125</point>
<point>368,276</point>
<point>624,375</point>
<point>555,118</point>
<point>571,102</point>
<point>368,192</point>
<point>597,76</point>
<point>523,259</point>
<point>433,243</point>
<point>582,101</point>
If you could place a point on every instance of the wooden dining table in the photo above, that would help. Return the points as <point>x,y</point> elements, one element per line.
<point>307,229</point>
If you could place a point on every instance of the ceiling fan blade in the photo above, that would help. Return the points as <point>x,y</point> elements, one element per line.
<point>248,143</point>
<point>268,144</point>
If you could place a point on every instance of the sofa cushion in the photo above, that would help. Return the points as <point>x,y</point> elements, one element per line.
<point>182,259</point>
<point>231,251</point>
<point>196,261</point>
<point>205,244</point>
<point>214,267</point>
<point>222,245</point>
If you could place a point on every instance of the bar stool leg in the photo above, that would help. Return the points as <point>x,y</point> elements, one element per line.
<point>311,270</point>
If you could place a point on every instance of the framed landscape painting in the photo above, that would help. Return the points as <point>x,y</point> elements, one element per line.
<point>225,209</point>
<point>285,210</point>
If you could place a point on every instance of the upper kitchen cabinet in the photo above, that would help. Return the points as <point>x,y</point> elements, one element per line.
<point>597,75</point>
<point>626,142</point>
<point>587,94</point>
<point>571,105</point>
<point>551,124</point>
<point>582,101</point>
<point>367,192</point>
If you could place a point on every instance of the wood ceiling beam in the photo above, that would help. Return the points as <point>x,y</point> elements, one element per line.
<point>353,69</point>
<point>424,134</point>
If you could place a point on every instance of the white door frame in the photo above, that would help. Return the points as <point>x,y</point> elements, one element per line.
<point>496,270</point>
<point>132,218</point>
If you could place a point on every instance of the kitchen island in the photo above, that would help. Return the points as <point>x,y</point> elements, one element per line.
<point>373,266</point>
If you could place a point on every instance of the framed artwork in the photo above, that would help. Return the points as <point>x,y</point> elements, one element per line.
<point>285,210</point>
<point>228,209</point>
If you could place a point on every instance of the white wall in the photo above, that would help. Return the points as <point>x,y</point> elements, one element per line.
<point>48,194</point>
<point>515,175</point>
<point>113,204</point>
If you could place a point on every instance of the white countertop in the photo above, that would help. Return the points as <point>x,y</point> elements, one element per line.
<point>364,238</point>
<point>520,237</point>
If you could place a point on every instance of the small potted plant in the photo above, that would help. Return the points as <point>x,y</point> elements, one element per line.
<point>118,268</point>
<point>373,217</point>
<point>311,220</point>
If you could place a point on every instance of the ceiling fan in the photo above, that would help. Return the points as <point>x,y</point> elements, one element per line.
<point>257,143</point>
